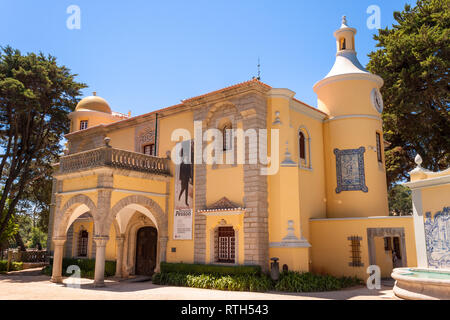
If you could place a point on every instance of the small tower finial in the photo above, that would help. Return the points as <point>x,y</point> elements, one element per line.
<point>94,93</point>
<point>418,160</point>
<point>344,21</point>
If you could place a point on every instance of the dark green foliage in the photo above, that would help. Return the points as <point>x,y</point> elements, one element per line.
<point>207,268</point>
<point>413,58</point>
<point>293,281</point>
<point>236,282</point>
<point>15,266</point>
<point>289,281</point>
<point>87,267</point>
<point>400,202</point>
<point>36,96</point>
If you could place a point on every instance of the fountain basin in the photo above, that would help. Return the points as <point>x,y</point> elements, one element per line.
<point>422,284</point>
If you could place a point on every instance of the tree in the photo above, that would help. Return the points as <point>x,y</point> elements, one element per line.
<point>400,202</point>
<point>414,59</point>
<point>36,96</point>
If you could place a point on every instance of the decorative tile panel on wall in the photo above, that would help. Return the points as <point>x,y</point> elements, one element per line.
<point>437,237</point>
<point>350,170</point>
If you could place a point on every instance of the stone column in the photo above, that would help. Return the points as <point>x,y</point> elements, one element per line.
<point>57,259</point>
<point>119,255</point>
<point>162,252</point>
<point>100,261</point>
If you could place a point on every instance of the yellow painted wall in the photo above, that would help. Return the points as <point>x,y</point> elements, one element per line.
<point>355,203</point>
<point>88,226</point>
<point>383,258</point>
<point>167,125</point>
<point>311,182</point>
<point>184,248</point>
<point>138,184</point>
<point>331,252</point>
<point>94,119</point>
<point>347,97</point>
<point>295,258</point>
<point>434,199</point>
<point>225,182</point>
<point>123,139</point>
<point>80,183</point>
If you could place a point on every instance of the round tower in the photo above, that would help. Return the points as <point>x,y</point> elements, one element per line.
<point>353,134</point>
<point>90,112</point>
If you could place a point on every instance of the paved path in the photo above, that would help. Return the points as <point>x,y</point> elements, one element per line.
<point>31,285</point>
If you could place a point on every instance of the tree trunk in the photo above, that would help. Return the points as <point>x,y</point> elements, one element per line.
<point>19,242</point>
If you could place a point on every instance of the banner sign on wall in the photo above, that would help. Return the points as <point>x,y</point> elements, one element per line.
<point>184,189</point>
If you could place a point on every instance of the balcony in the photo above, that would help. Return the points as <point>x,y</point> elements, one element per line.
<point>115,158</point>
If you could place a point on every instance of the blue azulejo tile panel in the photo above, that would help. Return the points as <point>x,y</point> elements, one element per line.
<point>437,237</point>
<point>350,170</point>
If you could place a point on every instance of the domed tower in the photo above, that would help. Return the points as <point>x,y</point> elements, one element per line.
<point>89,112</point>
<point>353,134</point>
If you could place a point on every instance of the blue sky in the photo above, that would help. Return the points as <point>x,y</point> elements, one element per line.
<point>146,55</point>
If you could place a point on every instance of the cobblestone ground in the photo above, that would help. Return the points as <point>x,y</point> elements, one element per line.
<point>31,285</point>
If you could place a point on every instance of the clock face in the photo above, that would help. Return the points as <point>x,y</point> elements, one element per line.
<point>377,100</point>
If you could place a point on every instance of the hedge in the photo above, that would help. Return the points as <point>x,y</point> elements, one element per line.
<point>209,269</point>
<point>236,282</point>
<point>87,267</point>
<point>15,266</point>
<point>293,281</point>
<point>290,281</point>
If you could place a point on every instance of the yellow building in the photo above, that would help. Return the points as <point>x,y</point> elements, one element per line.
<point>318,202</point>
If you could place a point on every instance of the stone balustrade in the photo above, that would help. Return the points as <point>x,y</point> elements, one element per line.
<point>116,158</point>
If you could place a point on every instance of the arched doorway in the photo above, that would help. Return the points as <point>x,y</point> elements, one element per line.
<point>146,249</point>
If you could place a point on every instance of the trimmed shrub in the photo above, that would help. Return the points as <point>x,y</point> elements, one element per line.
<point>293,281</point>
<point>209,269</point>
<point>15,266</point>
<point>87,267</point>
<point>237,282</point>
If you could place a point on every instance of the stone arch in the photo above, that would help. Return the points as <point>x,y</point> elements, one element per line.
<point>151,205</point>
<point>65,215</point>
<point>216,107</point>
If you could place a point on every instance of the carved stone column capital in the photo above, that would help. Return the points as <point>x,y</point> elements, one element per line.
<point>59,241</point>
<point>101,241</point>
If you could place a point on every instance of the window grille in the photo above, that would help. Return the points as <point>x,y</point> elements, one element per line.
<point>355,246</point>
<point>149,149</point>
<point>227,242</point>
<point>83,124</point>
<point>83,243</point>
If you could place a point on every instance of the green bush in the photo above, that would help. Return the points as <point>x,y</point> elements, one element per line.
<point>87,267</point>
<point>209,269</point>
<point>289,281</point>
<point>293,281</point>
<point>15,266</point>
<point>237,282</point>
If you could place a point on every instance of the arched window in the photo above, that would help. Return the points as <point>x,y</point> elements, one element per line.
<point>83,243</point>
<point>304,148</point>
<point>343,44</point>
<point>302,145</point>
<point>226,135</point>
